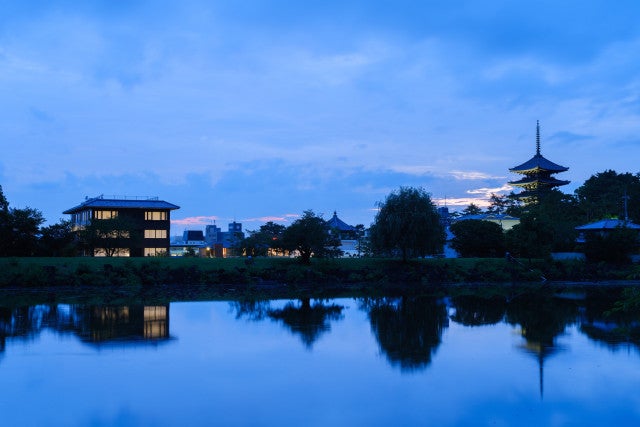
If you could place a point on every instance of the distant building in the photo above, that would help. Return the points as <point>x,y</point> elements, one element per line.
<point>212,243</point>
<point>537,175</point>
<point>147,220</point>
<point>193,237</point>
<point>228,239</point>
<point>350,241</point>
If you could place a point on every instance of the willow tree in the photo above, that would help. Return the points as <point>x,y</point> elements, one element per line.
<point>407,224</point>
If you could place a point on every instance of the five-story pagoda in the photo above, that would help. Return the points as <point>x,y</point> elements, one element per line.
<point>537,173</point>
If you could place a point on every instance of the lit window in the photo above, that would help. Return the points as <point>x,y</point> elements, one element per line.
<point>155,251</point>
<point>155,234</point>
<point>115,252</point>
<point>105,214</point>
<point>155,215</point>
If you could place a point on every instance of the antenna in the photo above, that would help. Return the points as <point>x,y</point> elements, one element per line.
<point>626,213</point>
<point>537,137</point>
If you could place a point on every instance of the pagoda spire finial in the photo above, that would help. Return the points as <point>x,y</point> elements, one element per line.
<point>537,137</point>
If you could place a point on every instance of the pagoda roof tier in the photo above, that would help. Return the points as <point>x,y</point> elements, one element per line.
<point>538,163</point>
<point>547,181</point>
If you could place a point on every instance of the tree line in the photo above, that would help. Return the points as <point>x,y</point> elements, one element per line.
<point>550,225</point>
<point>407,225</point>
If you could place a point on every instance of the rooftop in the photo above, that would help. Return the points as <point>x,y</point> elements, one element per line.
<point>126,202</point>
<point>339,224</point>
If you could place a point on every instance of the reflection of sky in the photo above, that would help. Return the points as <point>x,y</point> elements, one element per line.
<point>222,371</point>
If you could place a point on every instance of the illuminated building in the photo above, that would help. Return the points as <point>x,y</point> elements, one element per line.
<point>124,226</point>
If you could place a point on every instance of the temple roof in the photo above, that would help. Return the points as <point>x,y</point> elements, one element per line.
<point>538,162</point>
<point>540,180</point>
<point>608,224</point>
<point>339,224</point>
<point>101,202</point>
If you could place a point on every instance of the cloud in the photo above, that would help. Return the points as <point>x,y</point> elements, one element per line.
<point>487,192</point>
<point>195,220</point>
<point>473,175</point>
<point>462,202</point>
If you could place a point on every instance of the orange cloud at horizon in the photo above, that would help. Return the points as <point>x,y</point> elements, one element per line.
<point>195,220</point>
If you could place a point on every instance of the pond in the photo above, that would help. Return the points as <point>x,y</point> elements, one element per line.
<point>528,360</point>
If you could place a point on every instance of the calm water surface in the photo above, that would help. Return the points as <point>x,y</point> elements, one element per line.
<point>533,361</point>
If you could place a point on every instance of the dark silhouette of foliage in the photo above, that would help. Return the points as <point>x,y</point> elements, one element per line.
<point>58,240</point>
<point>472,310</point>
<point>613,246</point>
<point>472,209</point>
<point>408,329</point>
<point>407,224</point>
<point>269,236</point>
<point>478,238</point>
<point>310,236</point>
<point>18,229</point>
<point>308,321</point>
<point>110,235</point>
<point>602,196</point>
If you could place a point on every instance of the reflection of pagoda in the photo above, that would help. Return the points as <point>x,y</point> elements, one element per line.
<point>540,351</point>
<point>537,173</point>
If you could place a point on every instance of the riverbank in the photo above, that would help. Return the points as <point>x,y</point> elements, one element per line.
<point>277,273</point>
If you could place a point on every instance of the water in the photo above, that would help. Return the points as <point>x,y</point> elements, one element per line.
<point>530,361</point>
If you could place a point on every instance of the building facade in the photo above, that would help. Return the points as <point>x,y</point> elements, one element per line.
<point>123,226</point>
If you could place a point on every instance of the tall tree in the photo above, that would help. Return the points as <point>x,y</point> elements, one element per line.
<point>472,209</point>
<point>477,238</point>
<point>500,204</point>
<point>603,196</point>
<point>22,233</point>
<point>58,240</point>
<point>310,235</point>
<point>258,243</point>
<point>407,223</point>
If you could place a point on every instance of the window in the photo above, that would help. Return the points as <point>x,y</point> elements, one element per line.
<point>105,214</point>
<point>155,251</point>
<point>155,215</point>
<point>116,252</point>
<point>155,234</point>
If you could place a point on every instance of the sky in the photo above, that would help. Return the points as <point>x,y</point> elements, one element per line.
<point>256,111</point>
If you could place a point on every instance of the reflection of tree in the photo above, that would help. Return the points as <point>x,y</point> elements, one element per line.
<point>542,318</point>
<point>28,321</point>
<point>613,327</point>
<point>473,310</point>
<point>309,321</point>
<point>254,310</point>
<point>408,329</point>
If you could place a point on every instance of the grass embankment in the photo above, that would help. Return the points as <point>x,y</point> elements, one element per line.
<point>273,272</point>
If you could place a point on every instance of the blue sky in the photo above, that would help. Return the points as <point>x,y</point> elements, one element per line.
<point>259,110</point>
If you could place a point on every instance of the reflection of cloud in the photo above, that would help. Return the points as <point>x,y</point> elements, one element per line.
<point>473,175</point>
<point>195,220</point>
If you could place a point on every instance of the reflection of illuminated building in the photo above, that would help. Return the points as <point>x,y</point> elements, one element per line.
<point>134,323</point>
